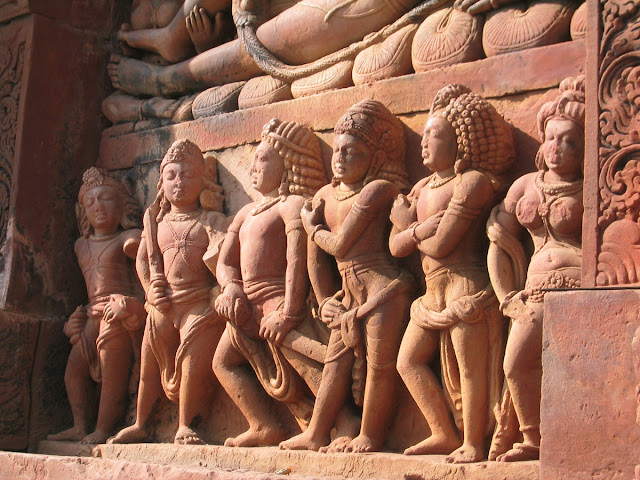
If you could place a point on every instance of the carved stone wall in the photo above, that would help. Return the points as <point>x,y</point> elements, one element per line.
<point>52,60</point>
<point>12,52</point>
<point>618,150</point>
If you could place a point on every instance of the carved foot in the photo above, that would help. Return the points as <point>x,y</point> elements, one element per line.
<point>256,438</point>
<point>73,434</point>
<point>120,107</point>
<point>467,453</point>
<point>95,438</point>
<point>363,444</point>
<point>132,434</point>
<point>157,41</point>
<point>520,452</point>
<point>338,445</point>
<point>133,76</point>
<point>187,436</point>
<point>304,441</point>
<point>435,444</point>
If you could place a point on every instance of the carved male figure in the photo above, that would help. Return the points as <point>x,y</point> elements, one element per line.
<point>263,271</point>
<point>367,313</point>
<point>465,144</point>
<point>182,225</point>
<point>105,333</point>
<point>548,205</point>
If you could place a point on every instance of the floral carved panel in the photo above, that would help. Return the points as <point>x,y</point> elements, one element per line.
<point>619,144</point>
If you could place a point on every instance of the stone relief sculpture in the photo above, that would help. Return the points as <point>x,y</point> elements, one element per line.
<point>176,29</point>
<point>163,32</point>
<point>263,46</point>
<point>467,145</point>
<point>263,272</point>
<point>305,43</point>
<point>367,312</point>
<point>183,231</point>
<point>548,205</point>
<point>635,350</point>
<point>619,146</point>
<point>106,333</point>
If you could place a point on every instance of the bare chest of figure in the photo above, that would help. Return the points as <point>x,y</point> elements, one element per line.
<point>183,243</point>
<point>335,211</point>
<point>263,245</point>
<point>432,201</point>
<point>561,215</point>
<point>105,266</point>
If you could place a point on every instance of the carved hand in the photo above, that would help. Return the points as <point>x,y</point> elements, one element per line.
<point>274,327</point>
<point>331,313</point>
<point>74,326</point>
<point>311,217</point>
<point>429,227</point>
<point>200,28</point>
<point>403,213</point>
<point>233,304</point>
<point>157,295</point>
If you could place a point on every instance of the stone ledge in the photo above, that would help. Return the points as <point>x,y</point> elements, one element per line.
<point>24,466</point>
<point>307,464</point>
<point>123,146</point>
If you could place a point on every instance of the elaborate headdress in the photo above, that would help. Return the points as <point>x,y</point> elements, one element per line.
<point>185,151</point>
<point>97,177</point>
<point>383,132</point>
<point>570,105</point>
<point>300,149</point>
<point>485,139</point>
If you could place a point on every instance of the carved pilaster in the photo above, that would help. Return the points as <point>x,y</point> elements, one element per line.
<point>618,250</point>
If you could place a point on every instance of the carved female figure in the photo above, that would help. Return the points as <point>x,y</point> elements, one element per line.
<point>182,225</point>
<point>548,205</point>
<point>106,333</point>
<point>263,271</point>
<point>367,313</point>
<point>466,143</point>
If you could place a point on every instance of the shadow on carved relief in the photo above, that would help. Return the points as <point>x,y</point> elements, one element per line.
<point>292,49</point>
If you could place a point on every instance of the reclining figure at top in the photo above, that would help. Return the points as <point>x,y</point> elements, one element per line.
<point>318,31</point>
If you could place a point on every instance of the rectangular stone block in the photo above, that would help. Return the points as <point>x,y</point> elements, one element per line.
<point>588,414</point>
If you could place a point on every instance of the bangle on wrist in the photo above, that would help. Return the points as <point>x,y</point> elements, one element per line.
<point>237,281</point>
<point>413,227</point>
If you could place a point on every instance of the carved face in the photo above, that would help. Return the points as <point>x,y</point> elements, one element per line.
<point>267,168</point>
<point>351,159</point>
<point>563,147</point>
<point>103,206</point>
<point>439,146</point>
<point>182,183</point>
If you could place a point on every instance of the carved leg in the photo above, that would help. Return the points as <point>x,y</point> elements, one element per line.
<point>172,42</point>
<point>471,346</point>
<point>238,379</point>
<point>418,348</point>
<point>197,385</point>
<point>336,381</point>
<point>383,344</point>
<point>523,371</point>
<point>150,390</point>
<point>115,363</point>
<point>81,391</point>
